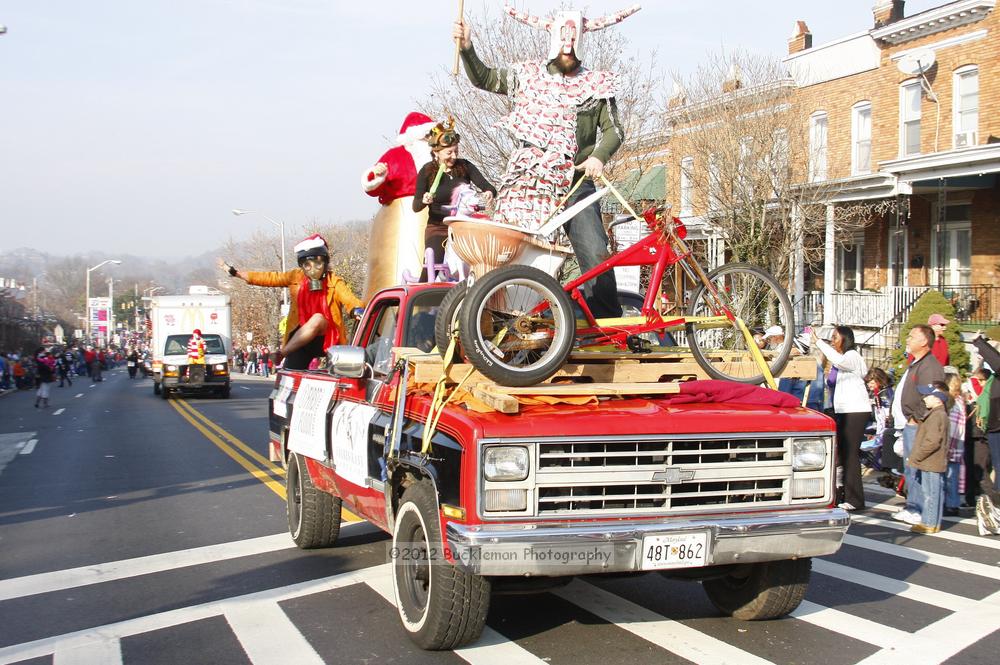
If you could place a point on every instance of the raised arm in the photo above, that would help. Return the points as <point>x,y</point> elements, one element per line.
<point>480,75</point>
<point>989,354</point>
<point>849,362</point>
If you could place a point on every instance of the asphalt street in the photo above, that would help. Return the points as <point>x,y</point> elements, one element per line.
<point>139,530</point>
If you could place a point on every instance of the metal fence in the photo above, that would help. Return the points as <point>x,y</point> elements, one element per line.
<point>975,304</point>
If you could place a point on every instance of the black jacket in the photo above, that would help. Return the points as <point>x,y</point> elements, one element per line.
<point>992,356</point>
<point>921,372</point>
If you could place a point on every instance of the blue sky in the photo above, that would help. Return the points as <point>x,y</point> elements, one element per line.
<point>137,125</point>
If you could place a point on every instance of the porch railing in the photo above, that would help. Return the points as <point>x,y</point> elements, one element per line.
<point>975,304</point>
<point>864,309</point>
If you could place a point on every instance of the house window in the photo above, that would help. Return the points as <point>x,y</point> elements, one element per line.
<point>817,146</point>
<point>861,142</point>
<point>778,161</point>
<point>952,239</point>
<point>909,118</point>
<point>966,104</point>
<point>850,264</point>
<point>714,182</point>
<point>687,185</point>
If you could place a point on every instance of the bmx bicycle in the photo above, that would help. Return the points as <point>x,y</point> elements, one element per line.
<point>517,325</point>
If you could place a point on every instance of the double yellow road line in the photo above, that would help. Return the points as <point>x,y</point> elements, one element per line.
<point>258,466</point>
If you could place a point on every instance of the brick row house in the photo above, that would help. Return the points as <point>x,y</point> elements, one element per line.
<point>898,123</point>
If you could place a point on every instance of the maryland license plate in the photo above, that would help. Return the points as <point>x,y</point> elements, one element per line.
<point>677,550</point>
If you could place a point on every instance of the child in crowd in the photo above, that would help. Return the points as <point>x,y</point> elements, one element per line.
<point>930,456</point>
<point>955,478</point>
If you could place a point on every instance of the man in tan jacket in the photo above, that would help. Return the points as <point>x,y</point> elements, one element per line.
<point>318,299</point>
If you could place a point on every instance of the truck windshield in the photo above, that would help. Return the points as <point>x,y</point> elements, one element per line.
<point>177,345</point>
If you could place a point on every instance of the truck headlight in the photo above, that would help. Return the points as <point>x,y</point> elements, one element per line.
<point>808,454</point>
<point>502,463</point>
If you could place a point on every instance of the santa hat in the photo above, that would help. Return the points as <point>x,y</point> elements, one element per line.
<point>566,28</point>
<point>314,245</point>
<point>414,128</point>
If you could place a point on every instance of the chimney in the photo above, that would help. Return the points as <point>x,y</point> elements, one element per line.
<point>801,38</point>
<point>732,82</point>
<point>887,11</point>
<point>678,97</point>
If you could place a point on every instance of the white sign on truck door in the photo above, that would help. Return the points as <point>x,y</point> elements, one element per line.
<point>307,434</point>
<point>348,439</point>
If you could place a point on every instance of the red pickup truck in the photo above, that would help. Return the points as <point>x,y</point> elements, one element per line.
<point>736,496</point>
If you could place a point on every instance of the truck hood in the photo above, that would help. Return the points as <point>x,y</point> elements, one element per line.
<point>646,416</point>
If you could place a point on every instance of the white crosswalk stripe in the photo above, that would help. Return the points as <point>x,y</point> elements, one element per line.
<point>652,627</point>
<point>268,635</point>
<point>943,535</point>
<point>100,651</point>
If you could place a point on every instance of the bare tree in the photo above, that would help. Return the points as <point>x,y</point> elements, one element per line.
<point>500,41</point>
<point>257,310</point>
<point>739,136</point>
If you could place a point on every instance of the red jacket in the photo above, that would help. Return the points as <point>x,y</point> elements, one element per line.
<point>940,350</point>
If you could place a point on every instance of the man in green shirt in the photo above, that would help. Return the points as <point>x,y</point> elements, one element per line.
<point>566,127</point>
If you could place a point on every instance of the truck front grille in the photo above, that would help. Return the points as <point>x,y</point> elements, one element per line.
<point>661,476</point>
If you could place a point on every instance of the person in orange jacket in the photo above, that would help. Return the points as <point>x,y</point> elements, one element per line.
<point>318,299</point>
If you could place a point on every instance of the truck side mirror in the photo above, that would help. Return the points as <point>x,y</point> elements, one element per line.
<point>346,361</point>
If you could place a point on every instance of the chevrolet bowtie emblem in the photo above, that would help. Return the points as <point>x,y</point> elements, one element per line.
<point>672,476</point>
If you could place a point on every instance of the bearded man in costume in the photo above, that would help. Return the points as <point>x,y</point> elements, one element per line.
<point>318,301</point>
<point>566,127</point>
<point>396,243</point>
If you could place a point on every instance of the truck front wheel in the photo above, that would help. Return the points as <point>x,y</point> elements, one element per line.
<point>441,606</point>
<point>761,590</point>
<point>313,515</point>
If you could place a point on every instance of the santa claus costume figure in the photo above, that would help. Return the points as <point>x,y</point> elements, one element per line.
<point>396,243</point>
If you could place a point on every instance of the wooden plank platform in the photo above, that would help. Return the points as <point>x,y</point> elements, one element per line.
<point>602,368</point>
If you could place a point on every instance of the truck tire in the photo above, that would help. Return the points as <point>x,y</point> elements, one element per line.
<point>164,392</point>
<point>440,605</point>
<point>767,591</point>
<point>224,393</point>
<point>313,515</point>
<point>156,388</point>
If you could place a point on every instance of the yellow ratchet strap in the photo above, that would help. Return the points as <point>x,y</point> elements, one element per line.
<point>757,355</point>
<point>440,400</point>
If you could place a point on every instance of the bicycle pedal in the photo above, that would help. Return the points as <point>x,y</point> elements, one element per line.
<point>638,345</point>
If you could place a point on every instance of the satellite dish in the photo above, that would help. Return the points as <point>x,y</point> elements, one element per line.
<point>917,61</point>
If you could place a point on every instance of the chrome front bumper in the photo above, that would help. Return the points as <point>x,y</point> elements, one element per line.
<point>576,548</point>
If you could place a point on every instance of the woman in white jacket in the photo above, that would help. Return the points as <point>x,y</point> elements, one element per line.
<point>852,409</point>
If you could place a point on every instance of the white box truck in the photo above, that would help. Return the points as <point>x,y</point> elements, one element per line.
<point>174,319</point>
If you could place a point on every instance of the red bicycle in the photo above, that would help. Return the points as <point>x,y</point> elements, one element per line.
<point>518,325</point>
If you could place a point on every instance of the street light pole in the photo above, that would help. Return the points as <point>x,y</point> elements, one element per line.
<point>89,270</point>
<point>281,229</point>
<point>111,309</point>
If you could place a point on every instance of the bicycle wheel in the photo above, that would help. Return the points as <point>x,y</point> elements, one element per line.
<point>517,325</point>
<point>757,298</point>
<point>447,318</point>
